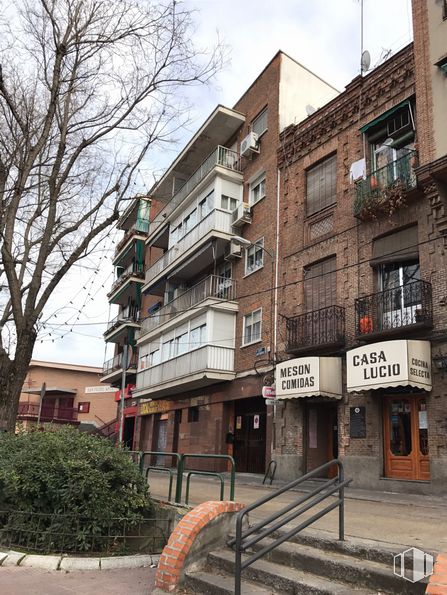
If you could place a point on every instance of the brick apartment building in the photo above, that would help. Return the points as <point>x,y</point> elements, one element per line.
<point>362,279</point>
<point>205,343</point>
<point>73,395</point>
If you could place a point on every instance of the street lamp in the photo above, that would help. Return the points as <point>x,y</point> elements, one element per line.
<point>239,240</point>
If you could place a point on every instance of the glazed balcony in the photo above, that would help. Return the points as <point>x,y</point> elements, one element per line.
<point>215,223</point>
<point>384,190</point>
<point>408,307</point>
<point>221,157</point>
<point>50,412</point>
<point>219,289</point>
<point>139,230</point>
<point>320,330</point>
<point>201,367</point>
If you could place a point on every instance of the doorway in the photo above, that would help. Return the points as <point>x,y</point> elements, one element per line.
<point>128,431</point>
<point>250,420</point>
<point>406,453</point>
<point>161,437</point>
<point>322,436</point>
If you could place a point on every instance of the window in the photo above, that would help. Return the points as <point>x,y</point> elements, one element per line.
<point>84,407</point>
<point>320,289</point>
<point>168,349</point>
<point>197,336</point>
<point>259,124</point>
<point>252,327</point>
<point>257,190</point>
<point>321,186</point>
<point>254,257</point>
<point>181,344</point>
<point>155,357</point>
<point>193,414</point>
<point>206,205</point>
<point>227,203</point>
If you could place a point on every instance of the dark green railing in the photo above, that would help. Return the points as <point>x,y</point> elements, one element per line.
<point>373,192</point>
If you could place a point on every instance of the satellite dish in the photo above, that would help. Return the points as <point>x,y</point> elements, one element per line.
<point>366,61</point>
<point>310,109</point>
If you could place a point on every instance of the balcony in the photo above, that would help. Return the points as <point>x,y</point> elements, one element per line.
<point>134,271</point>
<point>113,368</point>
<point>221,157</point>
<point>384,190</point>
<point>216,222</point>
<point>221,289</point>
<point>320,330</point>
<point>196,369</point>
<point>119,324</point>
<point>49,413</point>
<point>408,307</point>
<point>139,230</point>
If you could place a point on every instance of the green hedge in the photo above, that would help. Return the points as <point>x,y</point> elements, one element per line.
<point>68,491</point>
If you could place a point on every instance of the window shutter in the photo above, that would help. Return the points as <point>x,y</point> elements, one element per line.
<point>320,285</point>
<point>396,247</point>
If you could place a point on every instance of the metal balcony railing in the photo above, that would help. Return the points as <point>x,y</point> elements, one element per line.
<point>402,307</point>
<point>397,175</point>
<point>115,363</point>
<point>135,269</point>
<point>317,329</point>
<point>49,412</point>
<point>221,156</point>
<point>215,220</point>
<point>140,227</point>
<point>129,314</point>
<point>213,286</point>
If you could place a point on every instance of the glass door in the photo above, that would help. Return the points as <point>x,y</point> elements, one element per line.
<point>400,297</point>
<point>406,438</point>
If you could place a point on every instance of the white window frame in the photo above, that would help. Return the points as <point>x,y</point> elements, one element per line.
<point>264,114</point>
<point>251,251</point>
<point>258,183</point>
<point>229,198</point>
<point>248,323</point>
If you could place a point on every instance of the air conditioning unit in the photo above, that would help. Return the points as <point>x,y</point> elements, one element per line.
<point>249,144</point>
<point>234,251</point>
<point>242,215</point>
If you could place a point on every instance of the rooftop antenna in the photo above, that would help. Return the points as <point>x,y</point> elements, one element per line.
<point>365,62</point>
<point>310,109</point>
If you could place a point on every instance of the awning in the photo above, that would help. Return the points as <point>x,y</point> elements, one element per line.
<point>309,377</point>
<point>389,364</point>
<point>385,115</point>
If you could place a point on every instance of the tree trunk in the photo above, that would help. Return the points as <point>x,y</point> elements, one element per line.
<point>12,376</point>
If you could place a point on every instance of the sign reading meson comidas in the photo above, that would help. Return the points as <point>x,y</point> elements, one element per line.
<point>308,377</point>
<point>388,364</point>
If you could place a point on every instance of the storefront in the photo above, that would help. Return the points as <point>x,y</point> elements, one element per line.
<point>398,373</point>
<point>313,385</point>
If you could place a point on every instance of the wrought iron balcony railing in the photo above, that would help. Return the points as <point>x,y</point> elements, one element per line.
<point>393,309</point>
<point>49,412</point>
<point>315,330</point>
<point>135,269</point>
<point>384,187</point>
<point>141,227</point>
<point>116,363</point>
<point>221,288</point>
<point>221,156</point>
<point>129,314</point>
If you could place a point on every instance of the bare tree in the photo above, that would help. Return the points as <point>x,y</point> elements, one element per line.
<point>87,87</point>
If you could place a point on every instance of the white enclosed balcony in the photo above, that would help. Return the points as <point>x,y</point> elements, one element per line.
<point>216,224</point>
<point>198,368</point>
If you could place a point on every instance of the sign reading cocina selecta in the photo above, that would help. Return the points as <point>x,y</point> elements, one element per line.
<point>308,377</point>
<point>389,363</point>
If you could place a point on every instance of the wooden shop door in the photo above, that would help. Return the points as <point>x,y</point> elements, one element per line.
<point>406,453</point>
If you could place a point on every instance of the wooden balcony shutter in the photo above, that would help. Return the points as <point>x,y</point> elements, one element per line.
<point>396,247</point>
<point>320,285</point>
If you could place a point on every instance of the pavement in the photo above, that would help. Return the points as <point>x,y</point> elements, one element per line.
<point>402,519</point>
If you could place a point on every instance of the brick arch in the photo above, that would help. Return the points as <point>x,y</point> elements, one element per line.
<point>438,581</point>
<point>173,557</point>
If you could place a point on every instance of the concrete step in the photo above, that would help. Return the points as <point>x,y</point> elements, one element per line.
<point>341,567</point>
<point>283,579</point>
<point>211,583</point>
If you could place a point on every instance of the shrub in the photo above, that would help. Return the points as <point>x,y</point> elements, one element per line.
<point>66,490</point>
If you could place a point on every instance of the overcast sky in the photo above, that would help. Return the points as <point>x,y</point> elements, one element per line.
<point>324,36</point>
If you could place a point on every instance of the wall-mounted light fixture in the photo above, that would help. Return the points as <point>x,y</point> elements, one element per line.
<point>440,361</point>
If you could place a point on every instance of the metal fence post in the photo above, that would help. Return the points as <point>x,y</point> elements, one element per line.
<point>238,558</point>
<point>341,508</point>
<point>178,485</point>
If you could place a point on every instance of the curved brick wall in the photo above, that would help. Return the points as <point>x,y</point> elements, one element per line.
<point>174,554</point>
<point>438,580</point>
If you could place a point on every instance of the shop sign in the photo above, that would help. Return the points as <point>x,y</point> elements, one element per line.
<point>389,364</point>
<point>256,422</point>
<point>99,389</point>
<point>308,377</point>
<point>268,392</point>
<point>151,407</point>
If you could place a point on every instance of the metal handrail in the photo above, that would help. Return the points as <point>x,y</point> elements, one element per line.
<point>162,470</point>
<point>270,473</point>
<point>267,526</point>
<point>204,474</point>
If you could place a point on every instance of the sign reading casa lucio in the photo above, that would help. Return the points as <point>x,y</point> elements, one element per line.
<point>388,364</point>
<point>308,377</point>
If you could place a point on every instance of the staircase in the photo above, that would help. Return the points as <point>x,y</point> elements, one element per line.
<point>309,563</point>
